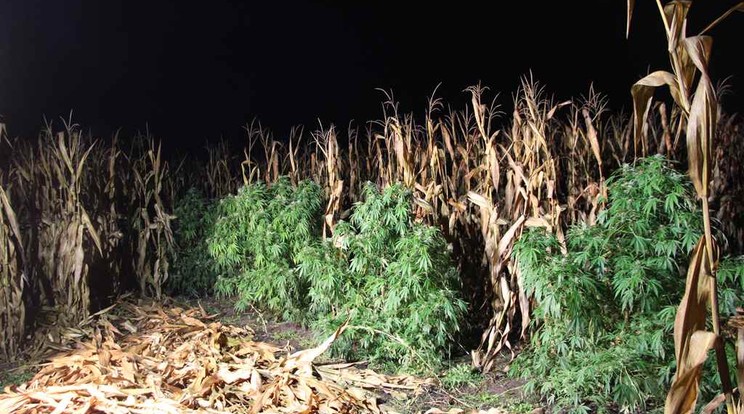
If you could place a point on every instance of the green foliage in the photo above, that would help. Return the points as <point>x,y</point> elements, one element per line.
<point>393,276</point>
<point>16,376</point>
<point>604,311</point>
<point>461,375</point>
<point>256,241</point>
<point>192,271</point>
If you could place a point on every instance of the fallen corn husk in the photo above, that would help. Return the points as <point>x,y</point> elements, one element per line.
<point>144,358</point>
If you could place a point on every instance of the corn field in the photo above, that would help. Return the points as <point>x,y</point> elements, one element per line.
<point>12,274</point>
<point>83,220</point>
<point>482,183</point>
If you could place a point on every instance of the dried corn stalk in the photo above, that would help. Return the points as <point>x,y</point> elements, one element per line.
<point>530,198</point>
<point>692,90</point>
<point>12,284</point>
<point>151,220</point>
<point>326,142</point>
<point>51,178</point>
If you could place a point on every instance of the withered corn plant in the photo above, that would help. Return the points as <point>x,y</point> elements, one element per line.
<point>220,178</point>
<point>327,143</point>
<point>693,93</point>
<point>110,217</point>
<point>12,283</point>
<point>727,190</point>
<point>151,220</point>
<point>72,197</point>
<point>250,167</point>
<point>533,195</point>
<point>51,178</point>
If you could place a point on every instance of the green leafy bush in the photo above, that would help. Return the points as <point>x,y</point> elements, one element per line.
<point>256,240</point>
<point>605,311</point>
<point>393,276</point>
<point>193,270</point>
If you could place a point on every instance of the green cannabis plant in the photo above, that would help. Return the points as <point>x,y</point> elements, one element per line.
<point>256,240</point>
<point>393,276</point>
<point>604,310</point>
<point>193,272</point>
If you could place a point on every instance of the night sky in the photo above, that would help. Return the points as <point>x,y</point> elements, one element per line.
<point>196,71</point>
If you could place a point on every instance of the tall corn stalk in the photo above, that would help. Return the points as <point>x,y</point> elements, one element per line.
<point>529,198</point>
<point>582,174</point>
<point>327,142</point>
<point>220,181</point>
<point>51,181</point>
<point>151,220</point>
<point>295,138</point>
<point>250,167</point>
<point>727,188</point>
<point>693,92</point>
<point>12,283</point>
<point>109,211</point>
<point>12,271</point>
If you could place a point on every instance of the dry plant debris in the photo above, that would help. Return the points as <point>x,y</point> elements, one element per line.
<point>461,411</point>
<point>146,358</point>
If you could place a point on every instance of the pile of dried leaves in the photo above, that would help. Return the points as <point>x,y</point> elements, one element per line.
<point>144,358</point>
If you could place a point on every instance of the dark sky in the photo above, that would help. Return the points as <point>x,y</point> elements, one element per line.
<point>200,70</point>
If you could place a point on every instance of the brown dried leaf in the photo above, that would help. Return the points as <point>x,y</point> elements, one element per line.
<point>684,390</point>
<point>676,17</point>
<point>92,231</point>
<point>62,146</point>
<point>702,117</point>
<point>11,216</point>
<point>642,92</point>
<point>629,15</point>
<point>692,311</point>
<point>592,135</point>
<point>691,341</point>
<point>508,237</point>
<point>480,201</point>
<point>301,360</point>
